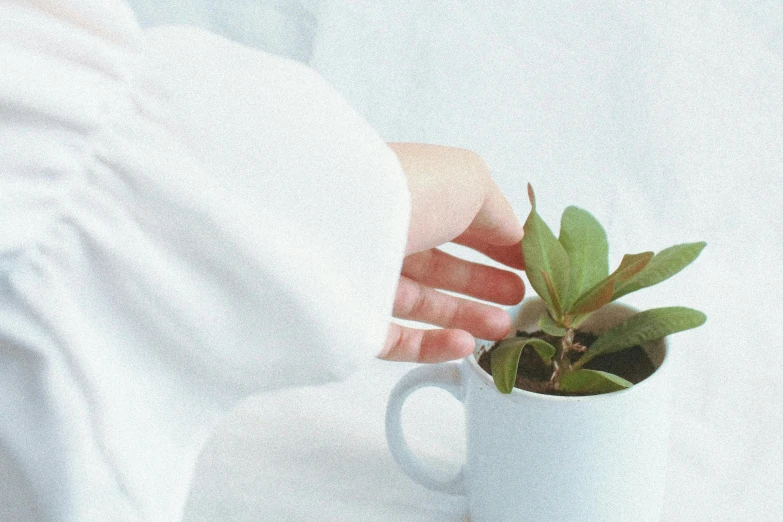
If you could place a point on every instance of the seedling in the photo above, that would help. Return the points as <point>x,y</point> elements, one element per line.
<point>571,274</point>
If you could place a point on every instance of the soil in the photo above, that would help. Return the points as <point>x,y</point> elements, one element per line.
<point>533,375</point>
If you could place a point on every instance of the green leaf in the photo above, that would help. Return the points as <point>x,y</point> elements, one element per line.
<point>577,320</point>
<point>592,382</point>
<point>664,265</point>
<point>554,295</point>
<point>504,359</point>
<point>643,327</point>
<point>631,265</point>
<point>603,292</point>
<point>593,299</point>
<point>584,240</point>
<point>549,326</point>
<point>543,253</point>
<point>545,350</point>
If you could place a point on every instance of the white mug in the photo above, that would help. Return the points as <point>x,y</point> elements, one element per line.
<point>535,457</point>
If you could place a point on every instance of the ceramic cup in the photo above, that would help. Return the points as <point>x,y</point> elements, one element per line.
<point>535,457</point>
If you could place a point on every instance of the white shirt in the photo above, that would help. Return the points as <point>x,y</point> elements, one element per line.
<point>183,222</point>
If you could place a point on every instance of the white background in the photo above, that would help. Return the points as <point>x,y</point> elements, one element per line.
<point>665,121</point>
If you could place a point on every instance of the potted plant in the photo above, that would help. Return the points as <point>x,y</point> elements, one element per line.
<point>571,274</point>
<point>570,421</point>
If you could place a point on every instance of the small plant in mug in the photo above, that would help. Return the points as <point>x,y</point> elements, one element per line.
<point>571,275</point>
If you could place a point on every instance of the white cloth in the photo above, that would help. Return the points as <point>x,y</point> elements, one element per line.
<point>183,222</point>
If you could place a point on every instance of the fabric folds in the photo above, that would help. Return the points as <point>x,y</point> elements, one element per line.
<point>183,222</point>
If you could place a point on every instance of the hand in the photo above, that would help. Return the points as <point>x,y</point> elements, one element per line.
<point>453,198</point>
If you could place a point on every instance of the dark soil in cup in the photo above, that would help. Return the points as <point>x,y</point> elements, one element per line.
<point>632,364</point>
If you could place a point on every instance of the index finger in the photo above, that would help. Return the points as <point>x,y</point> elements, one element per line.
<point>509,255</point>
<point>452,191</point>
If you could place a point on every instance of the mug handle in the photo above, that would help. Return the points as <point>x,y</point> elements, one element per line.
<point>446,376</point>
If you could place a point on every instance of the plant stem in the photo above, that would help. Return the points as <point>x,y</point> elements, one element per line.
<point>563,362</point>
<point>578,364</point>
<point>585,358</point>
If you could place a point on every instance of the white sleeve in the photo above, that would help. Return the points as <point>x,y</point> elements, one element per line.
<point>183,222</point>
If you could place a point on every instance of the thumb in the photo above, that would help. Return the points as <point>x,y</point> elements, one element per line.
<point>453,193</point>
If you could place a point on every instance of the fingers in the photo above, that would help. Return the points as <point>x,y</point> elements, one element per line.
<point>438,269</point>
<point>453,198</point>
<point>417,302</point>
<point>426,346</point>
<point>462,320</point>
